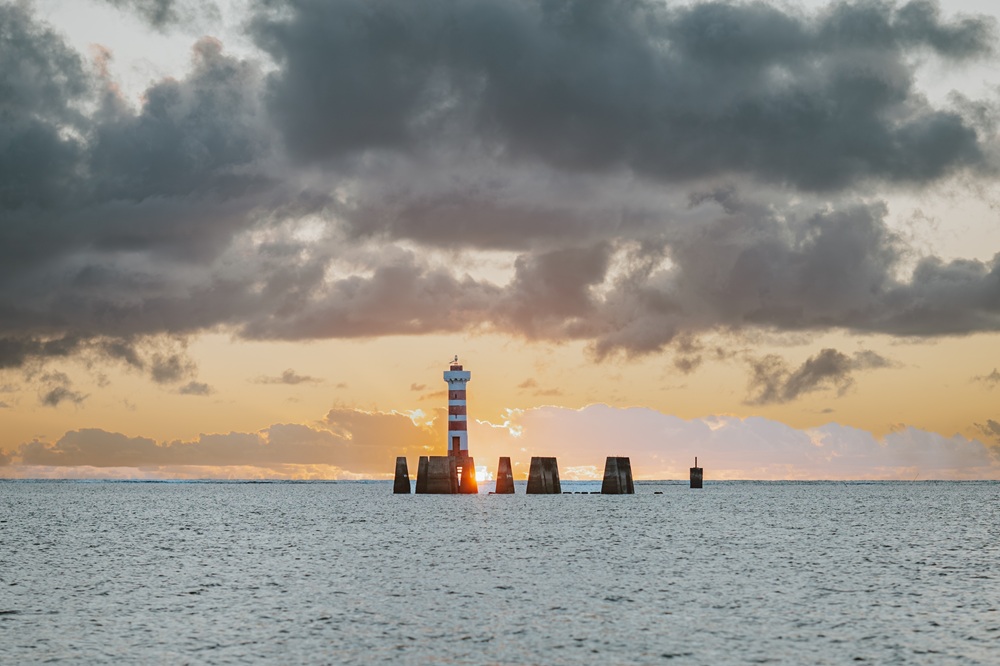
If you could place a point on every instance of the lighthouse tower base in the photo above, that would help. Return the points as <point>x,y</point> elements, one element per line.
<point>438,477</point>
<point>446,475</point>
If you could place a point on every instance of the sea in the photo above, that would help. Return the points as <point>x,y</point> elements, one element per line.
<point>348,573</point>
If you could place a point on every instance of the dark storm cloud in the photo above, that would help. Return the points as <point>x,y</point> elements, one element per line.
<point>119,180</point>
<point>105,215</point>
<point>402,295</point>
<point>15,350</point>
<point>794,269</point>
<point>550,295</point>
<point>818,100</point>
<point>568,134</point>
<point>42,76</point>
<point>291,378</point>
<point>772,381</point>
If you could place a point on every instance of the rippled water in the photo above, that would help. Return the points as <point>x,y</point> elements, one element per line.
<point>739,572</point>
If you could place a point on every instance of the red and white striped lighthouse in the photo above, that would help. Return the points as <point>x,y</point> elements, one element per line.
<point>458,424</point>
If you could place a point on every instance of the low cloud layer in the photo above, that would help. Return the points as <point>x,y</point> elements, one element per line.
<point>356,444</point>
<point>648,173</point>
<point>354,441</point>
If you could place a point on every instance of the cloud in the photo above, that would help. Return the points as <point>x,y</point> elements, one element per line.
<point>991,380</point>
<point>172,368</point>
<point>417,387</point>
<point>57,389</point>
<point>772,381</point>
<point>289,377</point>
<point>358,442</point>
<point>819,100</point>
<point>664,446</point>
<point>352,443</point>
<point>532,383</point>
<point>4,405</point>
<point>15,350</point>
<point>990,429</point>
<point>195,388</point>
<point>163,13</point>
<point>648,173</point>
<point>55,396</point>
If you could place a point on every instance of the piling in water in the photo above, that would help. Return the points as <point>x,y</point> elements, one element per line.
<point>422,475</point>
<point>543,477</point>
<point>617,477</point>
<point>401,484</point>
<point>505,478</point>
<point>467,484</point>
<point>696,475</point>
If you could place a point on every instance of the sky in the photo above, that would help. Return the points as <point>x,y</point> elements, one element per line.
<point>244,239</point>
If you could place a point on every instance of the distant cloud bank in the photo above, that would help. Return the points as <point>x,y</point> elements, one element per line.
<point>351,444</point>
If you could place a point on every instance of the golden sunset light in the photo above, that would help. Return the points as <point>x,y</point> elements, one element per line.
<point>215,266</point>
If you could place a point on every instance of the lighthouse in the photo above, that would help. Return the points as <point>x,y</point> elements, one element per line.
<point>458,425</point>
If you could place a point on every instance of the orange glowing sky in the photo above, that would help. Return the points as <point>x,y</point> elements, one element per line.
<point>221,259</point>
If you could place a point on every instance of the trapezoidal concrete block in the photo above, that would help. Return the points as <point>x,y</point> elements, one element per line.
<point>505,478</point>
<point>467,484</point>
<point>422,475</point>
<point>442,475</point>
<point>543,477</point>
<point>401,483</point>
<point>617,477</point>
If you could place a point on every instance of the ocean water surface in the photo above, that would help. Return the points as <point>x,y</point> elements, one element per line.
<point>330,573</point>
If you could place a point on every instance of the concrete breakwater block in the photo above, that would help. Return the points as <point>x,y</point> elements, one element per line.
<point>441,477</point>
<point>505,478</point>
<point>401,483</point>
<point>543,477</point>
<point>422,475</point>
<point>467,484</point>
<point>617,477</point>
<point>697,474</point>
